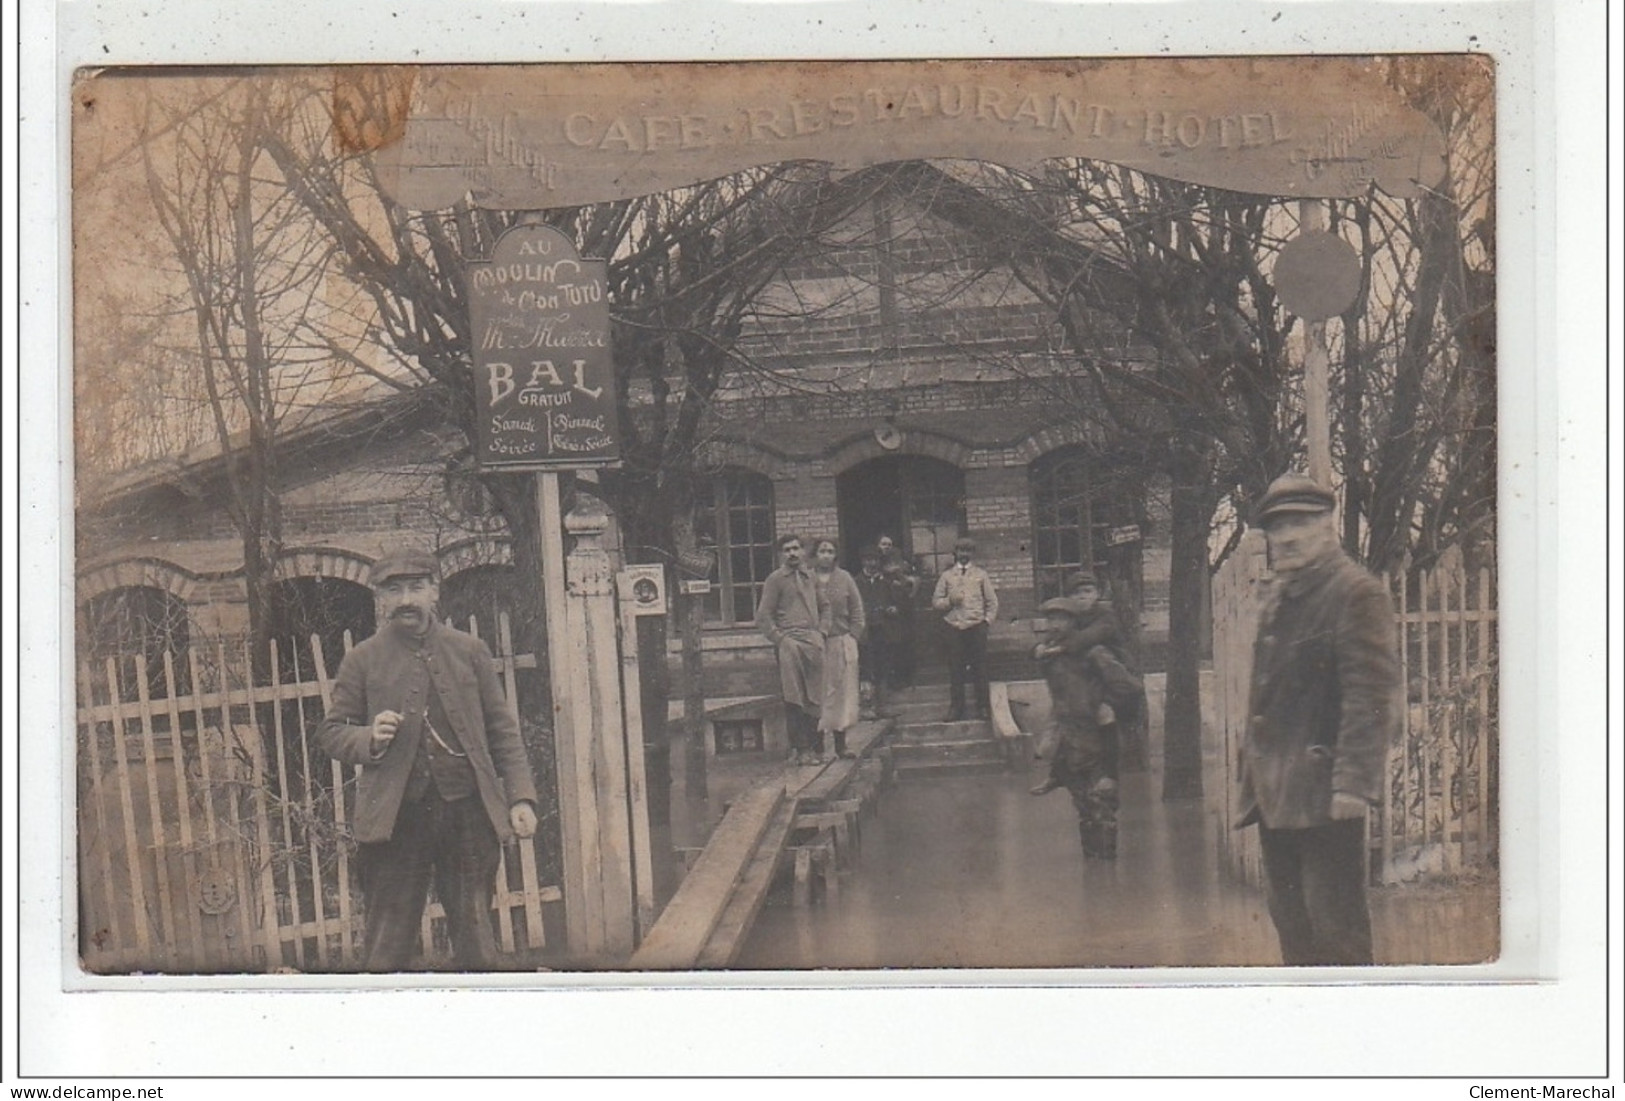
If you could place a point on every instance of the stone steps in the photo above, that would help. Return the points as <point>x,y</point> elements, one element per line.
<point>972,730</point>
<point>914,759</point>
<point>922,743</point>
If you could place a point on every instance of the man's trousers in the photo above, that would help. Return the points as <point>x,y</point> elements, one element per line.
<point>455,845</point>
<point>1085,763</point>
<point>802,730</point>
<point>877,662</point>
<point>1315,884</point>
<point>967,660</point>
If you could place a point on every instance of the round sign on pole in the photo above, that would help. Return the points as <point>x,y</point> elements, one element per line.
<point>1317,275</point>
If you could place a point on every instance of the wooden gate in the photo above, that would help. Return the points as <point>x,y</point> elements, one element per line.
<point>1438,814</point>
<point>212,838</point>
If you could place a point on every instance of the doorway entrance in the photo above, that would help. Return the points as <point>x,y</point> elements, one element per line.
<point>917,500</point>
<point>920,503</point>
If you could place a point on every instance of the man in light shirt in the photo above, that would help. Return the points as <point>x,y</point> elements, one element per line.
<point>968,601</point>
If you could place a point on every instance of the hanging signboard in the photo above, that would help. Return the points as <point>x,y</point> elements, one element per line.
<point>543,376</point>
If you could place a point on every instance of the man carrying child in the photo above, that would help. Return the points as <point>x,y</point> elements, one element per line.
<point>1084,665</point>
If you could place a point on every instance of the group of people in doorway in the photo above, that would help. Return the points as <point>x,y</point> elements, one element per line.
<point>846,645</point>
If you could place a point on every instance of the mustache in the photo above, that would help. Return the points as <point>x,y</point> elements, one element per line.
<point>408,609</point>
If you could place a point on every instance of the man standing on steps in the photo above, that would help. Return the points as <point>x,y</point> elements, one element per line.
<point>969,603</point>
<point>884,597</point>
<point>1323,709</point>
<point>905,582</point>
<point>788,617</point>
<point>445,777</point>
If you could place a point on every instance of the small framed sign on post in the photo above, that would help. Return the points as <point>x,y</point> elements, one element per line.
<point>544,375</point>
<point>644,589</point>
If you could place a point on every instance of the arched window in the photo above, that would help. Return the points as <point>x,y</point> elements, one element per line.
<point>735,513</point>
<point>1077,519</point>
<point>325,607</point>
<point>138,619</point>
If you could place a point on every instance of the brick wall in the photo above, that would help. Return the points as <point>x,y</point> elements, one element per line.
<point>300,522</point>
<point>805,505</point>
<point>926,394</point>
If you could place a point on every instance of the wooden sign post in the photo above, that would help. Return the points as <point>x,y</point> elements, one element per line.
<point>545,387</point>
<point>1317,276</point>
<point>1316,368</point>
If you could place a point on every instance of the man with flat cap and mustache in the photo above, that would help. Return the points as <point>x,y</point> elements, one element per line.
<point>1322,712</point>
<point>445,778</point>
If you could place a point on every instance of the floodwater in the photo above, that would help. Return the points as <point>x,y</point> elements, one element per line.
<point>970,871</point>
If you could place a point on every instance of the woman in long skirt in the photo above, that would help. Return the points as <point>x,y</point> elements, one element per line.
<point>840,613</point>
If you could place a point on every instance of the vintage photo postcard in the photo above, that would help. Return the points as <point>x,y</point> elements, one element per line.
<point>783,516</point>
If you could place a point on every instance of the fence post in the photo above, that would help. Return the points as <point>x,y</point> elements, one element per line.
<point>183,807</point>
<point>599,777</point>
<point>168,929</point>
<point>529,880</point>
<point>1238,601</point>
<point>340,813</point>
<point>92,945</point>
<point>132,843</point>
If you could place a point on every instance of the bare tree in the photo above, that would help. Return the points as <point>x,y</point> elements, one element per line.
<point>255,270</point>
<point>1418,407</point>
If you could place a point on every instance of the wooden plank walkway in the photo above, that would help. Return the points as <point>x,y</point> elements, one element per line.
<point>831,779</point>
<point>694,912</point>
<point>745,901</point>
<point>707,921</point>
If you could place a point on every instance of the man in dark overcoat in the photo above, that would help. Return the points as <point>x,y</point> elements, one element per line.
<point>445,778</point>
<point>1323,710</point>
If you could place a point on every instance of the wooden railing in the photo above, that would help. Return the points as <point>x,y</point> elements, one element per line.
<point>213,835</point>
<point>1438,815</point>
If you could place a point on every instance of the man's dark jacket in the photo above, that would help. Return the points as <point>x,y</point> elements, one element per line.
<point>391,672</point>
<point>886,600</point>
<point>1325,696</point>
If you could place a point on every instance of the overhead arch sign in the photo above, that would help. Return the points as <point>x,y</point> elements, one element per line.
<point>542,136</point>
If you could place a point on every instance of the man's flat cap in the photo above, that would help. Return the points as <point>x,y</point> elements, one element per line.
<point>1080,579</point>
<point>1064,605</point>
<point>1293,493</point>
<point>403,563</point>
<point>965,543</point>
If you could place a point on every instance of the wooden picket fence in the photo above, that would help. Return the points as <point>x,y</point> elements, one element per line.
<point>213,837</point>
<point>1439,812</point>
